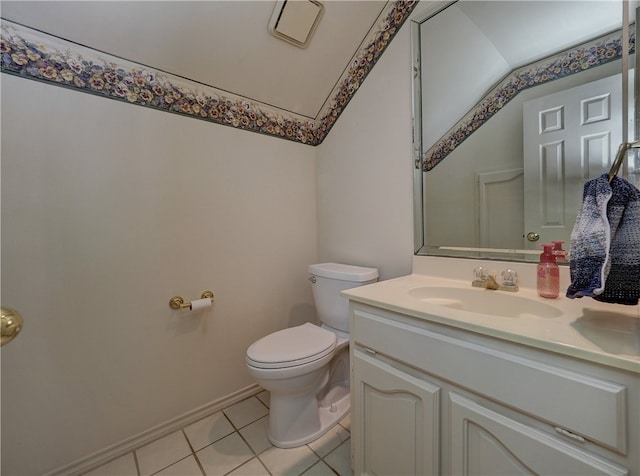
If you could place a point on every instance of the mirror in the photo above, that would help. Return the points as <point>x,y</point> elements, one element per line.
<point>517,104</point>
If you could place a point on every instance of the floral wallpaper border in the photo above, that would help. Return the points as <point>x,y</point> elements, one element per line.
<point>589,55</point>
<point>35,55</point>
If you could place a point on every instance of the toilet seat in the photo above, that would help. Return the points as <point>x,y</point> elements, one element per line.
<point>291,347</point>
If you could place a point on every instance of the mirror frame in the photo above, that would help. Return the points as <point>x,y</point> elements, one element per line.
<point>421,248</point>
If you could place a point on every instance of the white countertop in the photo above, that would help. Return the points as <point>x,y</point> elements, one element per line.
<point>599,332</point>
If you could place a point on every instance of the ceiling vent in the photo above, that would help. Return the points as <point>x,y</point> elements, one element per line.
<point>294,21</point>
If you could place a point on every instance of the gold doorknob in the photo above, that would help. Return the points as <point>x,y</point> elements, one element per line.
<point>11,325</point>
<point>533,236</point>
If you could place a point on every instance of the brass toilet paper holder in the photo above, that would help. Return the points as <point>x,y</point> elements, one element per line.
<point>177,302</point>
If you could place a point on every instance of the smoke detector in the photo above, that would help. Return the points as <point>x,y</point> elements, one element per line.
<point>295,21</point>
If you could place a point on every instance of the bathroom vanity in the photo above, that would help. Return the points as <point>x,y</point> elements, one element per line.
<point>459,386</point>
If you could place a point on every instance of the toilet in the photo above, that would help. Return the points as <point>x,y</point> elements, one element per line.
<point>306,368</point>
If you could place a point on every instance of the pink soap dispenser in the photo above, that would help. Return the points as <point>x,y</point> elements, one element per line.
<point>559,252</point>
<point>548,273</point>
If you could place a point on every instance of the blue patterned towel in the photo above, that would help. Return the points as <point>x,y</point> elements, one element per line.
<point>622,284</point>
<point>605,243</point>
<point>590,240</point>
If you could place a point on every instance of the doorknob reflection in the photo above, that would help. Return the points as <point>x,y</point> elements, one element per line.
<point>11,325</point>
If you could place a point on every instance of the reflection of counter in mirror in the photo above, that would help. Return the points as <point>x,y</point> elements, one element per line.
<point>469,99</point>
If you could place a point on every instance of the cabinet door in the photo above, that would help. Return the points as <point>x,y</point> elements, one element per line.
<point>395,420</point>
<point>485,442</point>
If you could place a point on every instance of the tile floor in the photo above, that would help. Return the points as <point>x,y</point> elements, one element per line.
<point>234,442</point>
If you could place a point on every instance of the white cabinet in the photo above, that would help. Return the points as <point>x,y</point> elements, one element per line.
<point>402,420</point>
<point>487,442</point>
<point>431,399</point>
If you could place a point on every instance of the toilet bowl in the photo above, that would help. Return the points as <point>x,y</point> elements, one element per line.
<point>306,368</point>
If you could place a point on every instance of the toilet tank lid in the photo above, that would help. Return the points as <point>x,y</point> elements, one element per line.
<point>344,272</point>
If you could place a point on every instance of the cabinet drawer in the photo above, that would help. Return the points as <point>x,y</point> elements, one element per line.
<point>583,405</point>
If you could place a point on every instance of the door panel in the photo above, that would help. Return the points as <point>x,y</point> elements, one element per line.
<point>395,420</point>
<point>485,442</point>
<point>569,138</point>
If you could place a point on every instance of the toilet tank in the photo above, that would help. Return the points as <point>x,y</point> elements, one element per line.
<point>328,279</point>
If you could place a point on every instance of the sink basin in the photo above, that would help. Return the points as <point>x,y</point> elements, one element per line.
<point>483,301</point>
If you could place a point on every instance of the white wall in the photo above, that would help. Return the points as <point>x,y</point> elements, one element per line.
<point>109,210</point>
<point>365,188</point>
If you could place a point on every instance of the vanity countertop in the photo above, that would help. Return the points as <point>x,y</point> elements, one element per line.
<point>584,328</point>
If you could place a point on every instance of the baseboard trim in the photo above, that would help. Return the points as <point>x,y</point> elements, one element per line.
<point>116,450</point>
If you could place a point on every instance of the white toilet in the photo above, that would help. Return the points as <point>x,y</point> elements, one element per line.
<point>306,368</point>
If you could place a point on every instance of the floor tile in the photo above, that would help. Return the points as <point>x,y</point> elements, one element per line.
<point>224,455</point>
<point>346,422</point>
<point>330,441</point>
<point>256,435</point>
<point>251,468</point>
<point>226,443</point>
<point>319,469</point>
<point>265,397</point>
<point>288,462</point>
<point>123,466</point>
<point>340,459</point>
<point>245,412</point>
<point>208,430</point>
<point>185,467</point>
<point>162,453</point>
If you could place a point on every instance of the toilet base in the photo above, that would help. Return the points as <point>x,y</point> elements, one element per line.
<point>329,417</point>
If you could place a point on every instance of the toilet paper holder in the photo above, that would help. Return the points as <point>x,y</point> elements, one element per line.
<point>177,302</point>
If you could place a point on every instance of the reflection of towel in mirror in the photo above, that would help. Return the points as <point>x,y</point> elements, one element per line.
<point>605,243</point>
<point>622,285</point>
<point>590,239</point>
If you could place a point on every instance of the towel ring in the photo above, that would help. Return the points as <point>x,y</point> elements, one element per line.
<point>620,156</point>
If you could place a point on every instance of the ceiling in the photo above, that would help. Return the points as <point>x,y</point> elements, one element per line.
<point>222,44</point>
<point>225,47</point>
<point>493,39</point>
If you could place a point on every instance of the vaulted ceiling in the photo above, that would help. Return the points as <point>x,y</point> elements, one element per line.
<point>217,46</point>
